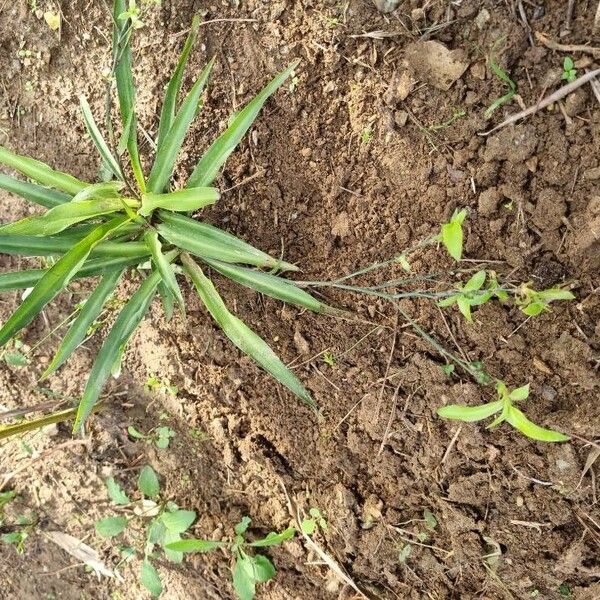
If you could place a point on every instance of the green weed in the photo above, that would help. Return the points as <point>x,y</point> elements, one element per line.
<point>103,229</point>
<point>249,567</point>
<point>569,71</point>
<point>159,436</point>
<point>505,78</point>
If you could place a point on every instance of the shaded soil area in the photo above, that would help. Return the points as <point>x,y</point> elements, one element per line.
<point>374,144</point>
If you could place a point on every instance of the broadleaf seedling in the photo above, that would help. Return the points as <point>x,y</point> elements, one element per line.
<point>249,567</point>
<point>147,524</point>
<point>451,234</point>
<point>569,71</point>
<point>506,410</point>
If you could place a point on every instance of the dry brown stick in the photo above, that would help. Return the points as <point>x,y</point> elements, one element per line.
<point>551,99</point>
<point>569,17</point>
<point>597,19</point>
<point>550,43</point>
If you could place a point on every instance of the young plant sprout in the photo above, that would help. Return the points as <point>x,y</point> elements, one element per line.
<point>249,568</point>
<point>103,229</point>
<point>569,71</point>
<point>505,405</point>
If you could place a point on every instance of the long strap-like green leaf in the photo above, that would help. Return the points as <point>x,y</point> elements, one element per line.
<point>169,107</point>
<point>214,158</point>
<point>87,315</point>
<point>271,285</point>
<point>240,334</point>
<point>125,324</point>
<point>32,245</point>
<point>107,157</point>
<point>208,241</point>
<point>55,279</point>
<point>32,192</point>
<point>41,172</point>
<point>164,267</point>
<point>126,88</point>
<point>166,153</point>
<point>60,217</point>
<point>19,280</point>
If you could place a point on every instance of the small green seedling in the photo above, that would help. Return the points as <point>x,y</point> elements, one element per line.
<point>329,358</point>
<point>17,530</point>
<point>160,436</point>
<point>505,78</point>
<point>366,135</point>
<point>569,71</point>
<point>155,384</point>
<point>314,522</point>
<point>249,568</point>
<point>451,234</point>
<point>505,405</point>
<point>533,303</point>
<point>448,369</point>
<point>469,295</point>
<point>132,14</point>
<point>13,357</point>
<point>150,524</point>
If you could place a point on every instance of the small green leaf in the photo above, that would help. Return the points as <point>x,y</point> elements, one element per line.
<point>148,482</point>
<point>534,309</point>
<point>452,238</point>
<point>150,579</point>
<point>244,577</point>
<point>116,493</point>
<point>308,526</point>
<point>568,63</point>
<point>430,520</point>
<point>179,520</point>
<point>470,413</point>
<point>475,282</point>
<point>242,526</point>
<point>521,393</point>
<point>111,526</point>
<point>264,570</point>
<point>15,359</point>
<point>274,539</point>
<point>464,305</point>
<point>195,545</point>
<point>404,553</point>
<point>519,421</point>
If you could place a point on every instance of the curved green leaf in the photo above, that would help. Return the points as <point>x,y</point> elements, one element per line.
<point>169,107</point>
<point>470,414</point>
<point>271,285</point>
<point>187,200</point>
<point>111,526</point>
<point>63,216</point>
<point>87,315</point>
<point>148,483</point>
<point>125,324</point>
<point>54,280</point>
<point>100,191</point>
<point>41,172</point>
<point>34,193</point>
<point>107,157</point>
<point>32,245</point>
<point>241,335</point>
<point>163,266</point>
<point>178,521</point>
<point>195,545</point>
<point>208,241</point>
<point>519,421</point>
<point>167,152</point>
<point>273,539</point>
<point>150,579</point>
<point>215,157</point>
<point>126,88</point>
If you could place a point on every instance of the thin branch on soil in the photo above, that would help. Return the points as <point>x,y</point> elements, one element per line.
<point>550,43</point>
<point>330,562</point>
<point>569,17</point>
<point>533,479</point>
<point>597,19</point>
<point>390,420</point>
<point>451,444</point>
<point>551,99</point>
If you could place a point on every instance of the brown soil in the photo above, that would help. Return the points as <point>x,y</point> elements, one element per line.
<point>335,203</point>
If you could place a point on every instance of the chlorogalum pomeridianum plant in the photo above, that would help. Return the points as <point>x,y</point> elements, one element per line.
<point>102,229</point>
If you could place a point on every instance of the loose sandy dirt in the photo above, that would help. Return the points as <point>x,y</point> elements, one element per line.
<point>515,518</point>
